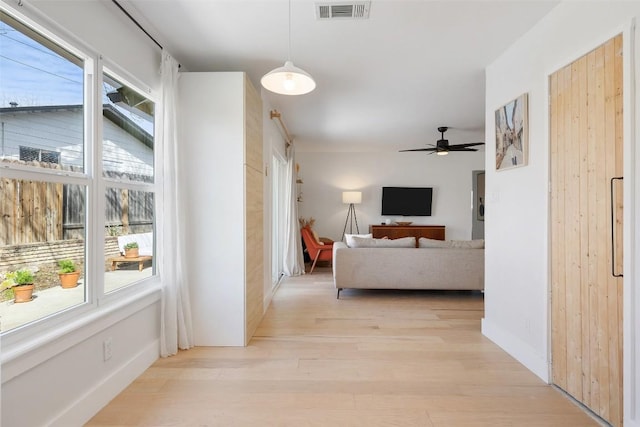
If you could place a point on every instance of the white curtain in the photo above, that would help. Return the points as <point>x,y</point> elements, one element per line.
<point>293,258</point>
<point>176,329</point>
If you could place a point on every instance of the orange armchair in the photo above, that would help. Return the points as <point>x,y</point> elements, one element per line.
<point>317,250</point>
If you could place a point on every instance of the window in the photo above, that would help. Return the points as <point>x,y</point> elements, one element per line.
<point>128,120</point>
<point>41,97</point>
<point>128,166</point>
<point>29,154</point>
<point>46,116</point>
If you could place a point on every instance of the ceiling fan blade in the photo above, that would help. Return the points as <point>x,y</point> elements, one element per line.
<point>470,144</point>
<point>421,149</point>
<point>457,148</point>
<point>443,146</point>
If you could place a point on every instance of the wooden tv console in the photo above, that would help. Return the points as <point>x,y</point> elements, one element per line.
<point>396,231</point>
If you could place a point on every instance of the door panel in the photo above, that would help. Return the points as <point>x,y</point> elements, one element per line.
<point>585,103</point>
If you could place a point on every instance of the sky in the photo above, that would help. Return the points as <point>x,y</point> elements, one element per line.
<point>33,75</point>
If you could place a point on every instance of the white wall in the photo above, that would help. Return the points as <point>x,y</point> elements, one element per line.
<point>211,131</point>
<point>66,380</point>
<point>62,373</point>
<point>326,175</point>
<point>517,251</point>
<point>101,26</point>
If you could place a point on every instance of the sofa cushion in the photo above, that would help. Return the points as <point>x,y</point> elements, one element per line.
<point>468,244</point>
<point>403,242</point>
<point>423,242</point>
<point>348,238</point>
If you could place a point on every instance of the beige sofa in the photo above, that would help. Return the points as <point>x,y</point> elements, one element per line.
<point>407,268</point>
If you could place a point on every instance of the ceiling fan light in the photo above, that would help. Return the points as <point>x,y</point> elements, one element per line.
<point>288,80</point>
<point>442,152</point>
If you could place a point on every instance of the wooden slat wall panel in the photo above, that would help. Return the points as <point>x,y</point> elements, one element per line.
<point>602,234</point>
<point>254,264</point>
<point>619,166</point>
<point>581,134</point>
<point>586,152</point>
<point>254,208</point>
<point>572,238</point>
<point>614,339</point>
<point>592,266</point>
<point>557,309</point>
<point>253,126</point>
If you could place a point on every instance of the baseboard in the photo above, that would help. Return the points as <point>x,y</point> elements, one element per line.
<point>518,349</point>
<point>81,411</point>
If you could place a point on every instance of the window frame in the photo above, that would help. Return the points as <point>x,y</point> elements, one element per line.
<point>20,340</point>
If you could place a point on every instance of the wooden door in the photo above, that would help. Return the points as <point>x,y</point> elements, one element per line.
<point>586,229</point>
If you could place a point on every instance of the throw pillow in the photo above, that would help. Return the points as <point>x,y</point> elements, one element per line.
<point>315,236</point>
<point>468,244</point>
<point>403,242</point>
<point>348,238</point>
<point>423,242</point>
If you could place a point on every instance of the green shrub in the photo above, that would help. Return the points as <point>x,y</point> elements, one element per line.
<point>131,245</point>
<point>17,278</point>
<point>66,266</point>
<point>8,294</point>
<point>24,277</point>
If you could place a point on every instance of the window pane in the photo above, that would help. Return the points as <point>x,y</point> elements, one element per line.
<point>128,132</point>
<point>129,219</point>
<point>41,100</point>
<point>42,224</point>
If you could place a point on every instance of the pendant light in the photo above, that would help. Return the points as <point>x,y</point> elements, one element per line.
<point>288,79</point>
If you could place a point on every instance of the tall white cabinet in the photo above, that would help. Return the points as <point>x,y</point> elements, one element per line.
<point>220,135</point>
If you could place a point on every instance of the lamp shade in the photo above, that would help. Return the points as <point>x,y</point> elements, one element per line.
<point>288,80</point>
<point>354,197</point>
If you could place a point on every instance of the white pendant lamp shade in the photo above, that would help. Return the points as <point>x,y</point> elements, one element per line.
<point>288,80</point>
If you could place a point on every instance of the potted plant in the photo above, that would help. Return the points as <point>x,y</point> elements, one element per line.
<point>21,282</point>
<point>131,250</point>
<point>68,274</point>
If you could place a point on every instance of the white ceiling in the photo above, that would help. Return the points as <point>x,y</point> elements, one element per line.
<point>385,83</point>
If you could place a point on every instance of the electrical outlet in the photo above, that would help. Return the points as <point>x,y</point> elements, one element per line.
<point>106,347</point>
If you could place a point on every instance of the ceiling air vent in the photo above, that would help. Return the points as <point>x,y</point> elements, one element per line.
<point>352,10</point>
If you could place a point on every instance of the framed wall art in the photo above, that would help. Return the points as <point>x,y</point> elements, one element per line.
<point>480,197</point>
<point>512,134</point>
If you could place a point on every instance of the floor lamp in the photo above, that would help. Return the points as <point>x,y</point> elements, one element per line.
<point>352,198</point>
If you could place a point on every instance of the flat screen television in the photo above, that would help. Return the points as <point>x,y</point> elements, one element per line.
<point>407,201</point>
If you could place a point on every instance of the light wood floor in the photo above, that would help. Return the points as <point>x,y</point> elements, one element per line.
<point>372,358</point>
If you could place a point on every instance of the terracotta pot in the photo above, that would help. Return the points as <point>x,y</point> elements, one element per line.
<point>69,280</point>
<point>131,253</point>
<point>23,293</point>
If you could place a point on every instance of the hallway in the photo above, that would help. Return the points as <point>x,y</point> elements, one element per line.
<point>372,358</point>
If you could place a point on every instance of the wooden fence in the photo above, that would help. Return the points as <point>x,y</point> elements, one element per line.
<point>35,211</point>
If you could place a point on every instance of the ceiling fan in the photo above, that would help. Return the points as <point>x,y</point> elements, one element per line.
<point>442,146</point>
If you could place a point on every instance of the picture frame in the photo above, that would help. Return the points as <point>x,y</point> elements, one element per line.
<point>512,134</point>
<point>480,196</point>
